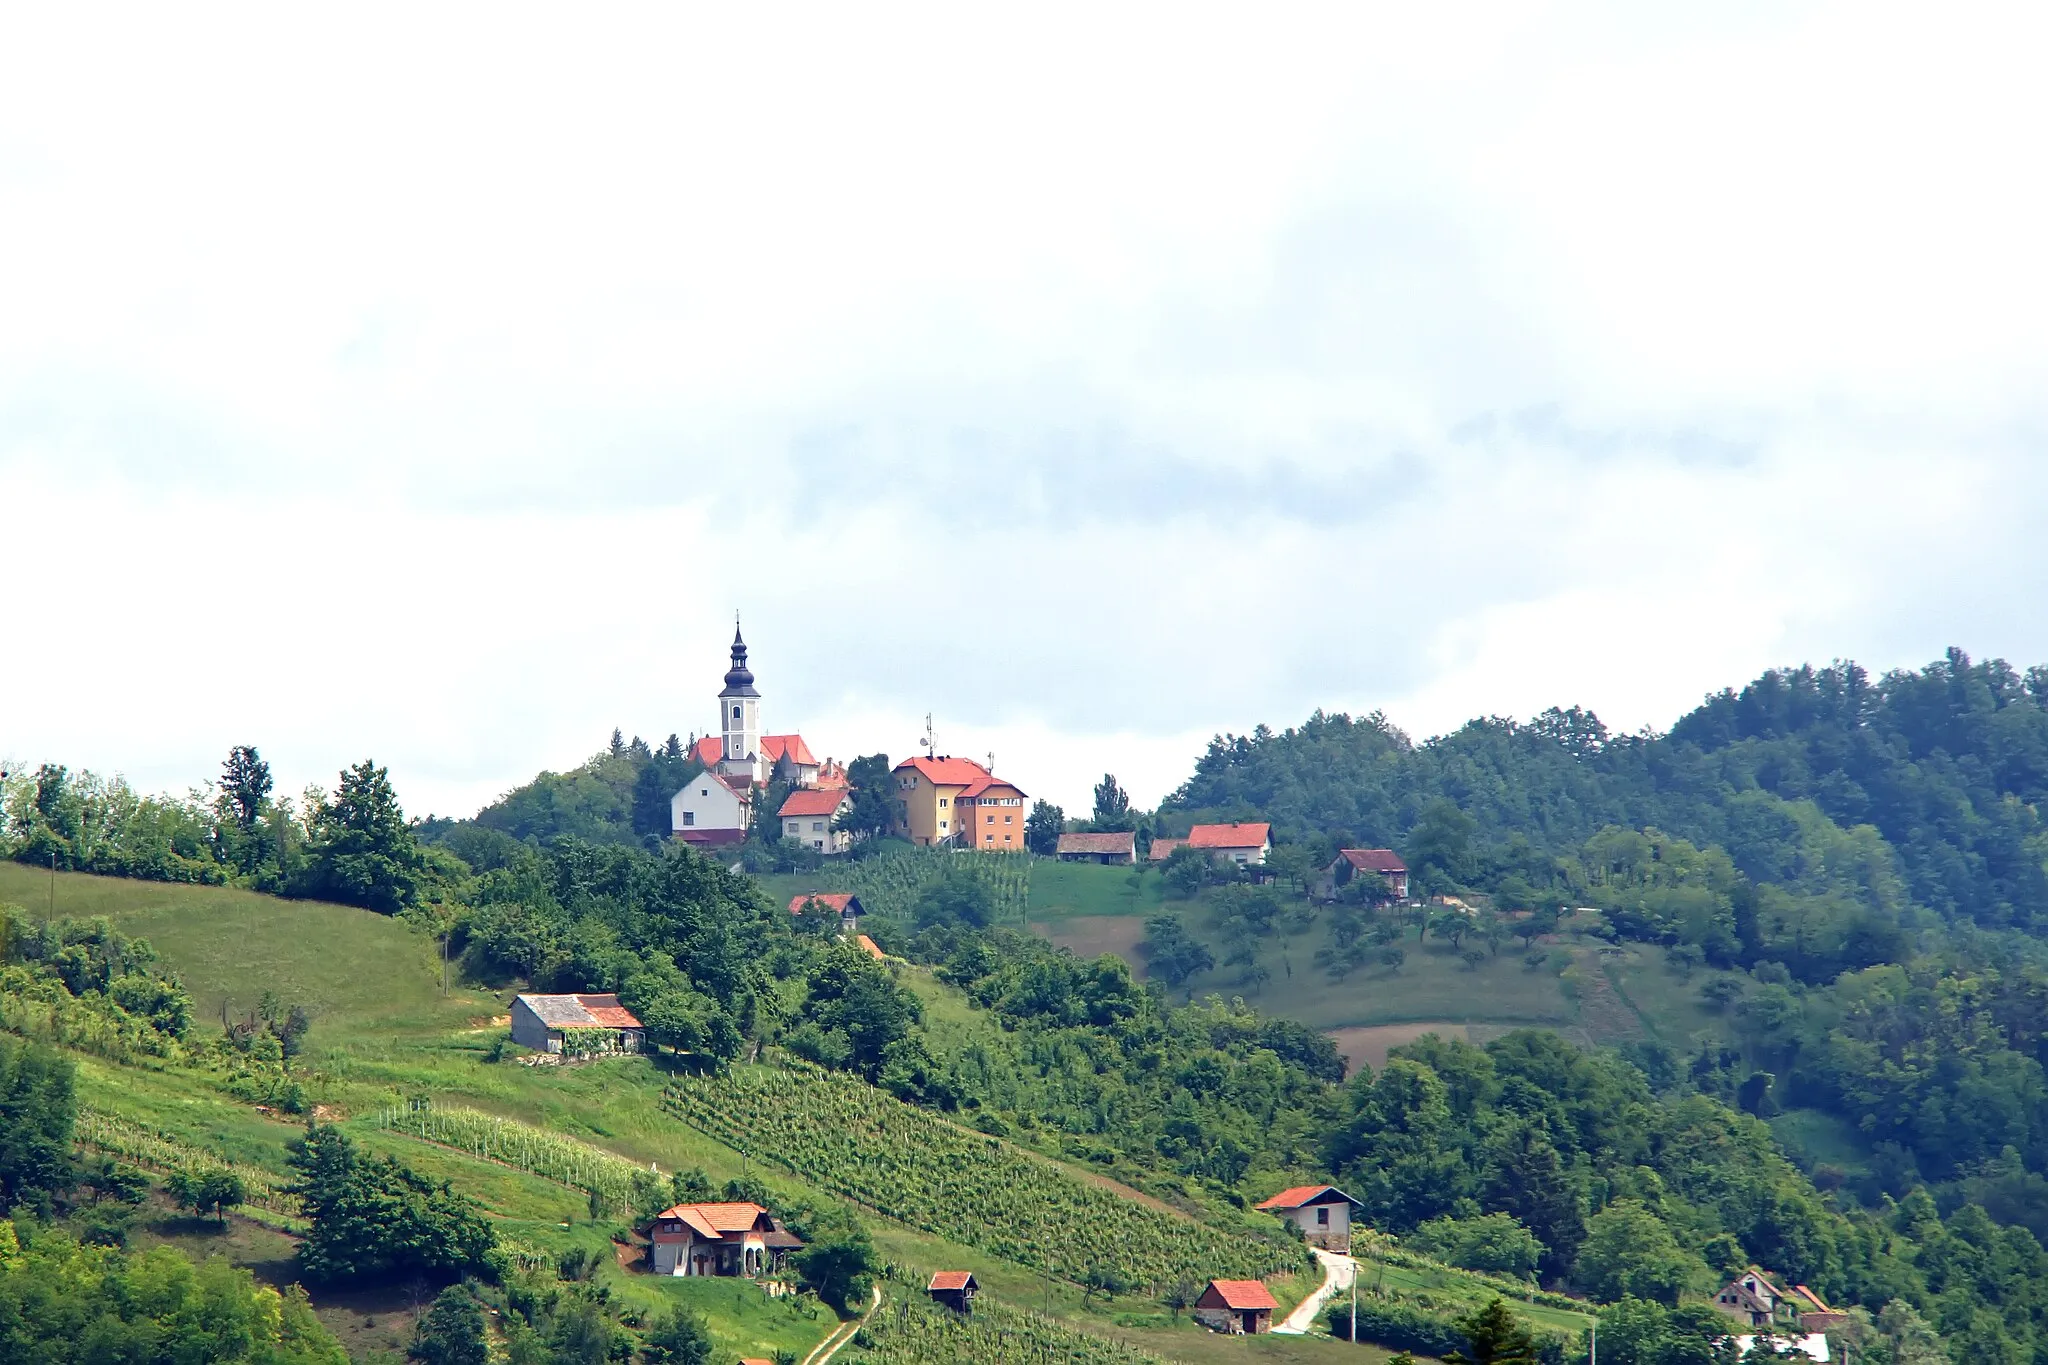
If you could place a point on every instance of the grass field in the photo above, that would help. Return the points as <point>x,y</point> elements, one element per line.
<point>385,1033</point>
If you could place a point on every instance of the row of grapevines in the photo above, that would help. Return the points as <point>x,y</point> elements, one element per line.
<point>890,883</point>
<point>535,1151</point>
<point>159,1151</point>
<point>919,1169</point>
<point>911,1332</point>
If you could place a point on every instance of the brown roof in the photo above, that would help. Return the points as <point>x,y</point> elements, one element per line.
<point>1098,843</point>
<point>607,1010</point>
<point>1230,836</point>
<point>953,1279</point>
<point>837,900</point>
<point>1373,859</point>
<point>1299,1195</point>
<point>869,946</point>
<point>711,838</point>
<point>580,1011</point>
<point>1162,849</point>
<point>814,801</point>
<point>1238,1294</point>
<point>716,1221</point>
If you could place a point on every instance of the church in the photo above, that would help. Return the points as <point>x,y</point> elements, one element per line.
<point>716,808</point>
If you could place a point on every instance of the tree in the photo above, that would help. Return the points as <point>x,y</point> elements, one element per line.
<point>374,1220</point>
<point>451,1332</point>
<point>243,802</point>
<point>361,851</point>
<point>221,1190</point>
<point>681,1338</point>
<point>1440,846</point>
<point>1629,1250</point>
<point>1043,827</point>
<point>1497,1337</point>
<point>1112,806</point>
<point>838,1265</point>
<point>37,1109</point>
<point>1495,1243</point>
<point>871,785</point>
<point>1172,954</point>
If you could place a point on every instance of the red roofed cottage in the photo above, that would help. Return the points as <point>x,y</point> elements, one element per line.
<point>1239,1307</point>
<point>807,815</point>
<point>575,1023</point>
<point>1322,1212</point>
<point>1247,844</point>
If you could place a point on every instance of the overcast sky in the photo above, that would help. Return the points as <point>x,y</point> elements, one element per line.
<point>434,386</point>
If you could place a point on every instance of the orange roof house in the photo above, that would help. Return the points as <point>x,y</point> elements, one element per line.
<point>955,1289</point>
<point>1241,843</point>
<point>714,1239</point>
<point>1238,1307</point>
<point>947,800</point>
<point>807,815</point>
<point>1322,1212</point>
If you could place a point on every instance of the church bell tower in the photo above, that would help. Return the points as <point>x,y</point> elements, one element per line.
<point>739,716</point>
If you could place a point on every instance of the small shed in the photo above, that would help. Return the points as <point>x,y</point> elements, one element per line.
<point>1238,1307</point>
<point>546,1023</point>
<point>955,1289</point>
<point>1382,863</point>
<point>1115,849</point>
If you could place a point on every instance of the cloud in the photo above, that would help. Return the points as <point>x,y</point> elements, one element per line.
<point>435,387</point>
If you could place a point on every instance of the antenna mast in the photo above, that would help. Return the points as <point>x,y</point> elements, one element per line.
<point>930,740</point>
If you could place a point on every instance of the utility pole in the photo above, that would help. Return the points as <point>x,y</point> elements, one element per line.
<point>53,883</point>
<point>1593,1357</point>
<point>1354,1303</point>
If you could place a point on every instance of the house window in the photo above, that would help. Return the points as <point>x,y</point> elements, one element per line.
<point>735,713</point>
<point>1323,1216</point>
<point>942,802</point>
<point>1008,818</point>
<point>689,817</point>
<point>796,827</point>
<point>1006,838</point>
<point>817,825</point>
<point>989,819</point>
<point>942,824</point>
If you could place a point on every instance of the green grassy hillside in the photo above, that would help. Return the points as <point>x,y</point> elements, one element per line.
<point>385,1033</point>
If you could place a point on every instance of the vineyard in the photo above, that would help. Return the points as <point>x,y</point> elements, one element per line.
<point>522,1147</point>
<point>917,1332</point>
<point>890,883</point>
<point>157,1151</point>
<point>918,1169</point>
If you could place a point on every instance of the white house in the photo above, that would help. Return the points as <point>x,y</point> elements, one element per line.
<point>712,810</point>
<point>807,817</point>
<point>1322,1212</point>
<point>717,1239</point>
<point>1247,845</point>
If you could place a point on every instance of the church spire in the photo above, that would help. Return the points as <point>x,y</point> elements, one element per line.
<point>739,681</point>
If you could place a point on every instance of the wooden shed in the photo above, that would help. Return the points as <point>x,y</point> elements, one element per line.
<point>955,1289</point>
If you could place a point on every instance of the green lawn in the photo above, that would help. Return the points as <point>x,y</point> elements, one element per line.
<point>1060,890</point>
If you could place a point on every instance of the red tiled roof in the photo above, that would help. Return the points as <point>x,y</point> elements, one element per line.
<point>832,776</point>
<point>776,746</point>
<point>1238,1294</point>
<point>987,784</point>
<point>1098,843</point>
<point>947,772</point>
<point>716,1220</point>
<point>952,1279</point>
<point>870,947</point>
<point>1229,836</point>
<point>710,750</point>
<point>838,900</point>
<point>1162,849</point>
<point>812,801</point>
<point>1373,859</point>
<point>607,1010</point>
<point>1302,1194</point>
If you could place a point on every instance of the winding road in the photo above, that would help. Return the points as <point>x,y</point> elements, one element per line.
<point>1338,1272</point>
<point>842,1334</point>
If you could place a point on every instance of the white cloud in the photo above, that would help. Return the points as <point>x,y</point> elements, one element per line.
<point>433,387</point>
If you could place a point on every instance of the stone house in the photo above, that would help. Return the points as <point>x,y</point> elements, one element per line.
<point>548,1023</point>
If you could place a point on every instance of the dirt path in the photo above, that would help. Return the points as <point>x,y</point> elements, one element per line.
<point>1604,1012</point>
<point>1338,1272</point>
<point>843,1333</point>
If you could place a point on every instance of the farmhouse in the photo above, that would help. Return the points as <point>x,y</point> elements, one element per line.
<point>718,1239</point>
<point>954,1289</point>
<point>1753,1300</point>
<point>549,1023</point>
<point>807,815</point>
<point>847,904</point>
<point>1349,863</point>
<point>1098,848</point>
<point>1322,1212</point>
<point>1246,845</point>
<point>1239,1307</point>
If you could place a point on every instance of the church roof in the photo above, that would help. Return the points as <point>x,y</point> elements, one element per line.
<point>738,681</point>
<point>775,746</point>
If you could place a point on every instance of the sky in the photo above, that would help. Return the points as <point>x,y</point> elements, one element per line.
<point>435,385</point>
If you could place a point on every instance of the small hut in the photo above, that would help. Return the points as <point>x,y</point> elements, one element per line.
<point>1238,1307</point>
<point>955,1289</point>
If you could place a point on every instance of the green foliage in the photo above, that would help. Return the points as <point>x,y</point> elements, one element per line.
<point>63,1303</point>
<point>1043,827</point>
<point>38,1106</point>
<point>838,1263</point>
<point>1496,1337</point>
<point>913,1331</point>
<point>1171,953</point>
<point>451,1331</point>
<point>1495,1243</point>
<point>1641,1332</point>
<point>919,1169</point>
<point>1630,1252</point>
<point>359,850</point>
<point>681,1338</point>
<point>873,791</point>
<point>1112,806</point>
<point>373,1220</point>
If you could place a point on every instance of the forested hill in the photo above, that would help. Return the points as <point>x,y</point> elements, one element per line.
<point>1947,765</point>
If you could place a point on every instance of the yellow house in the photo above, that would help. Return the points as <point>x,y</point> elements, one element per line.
<point>957,801</point>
